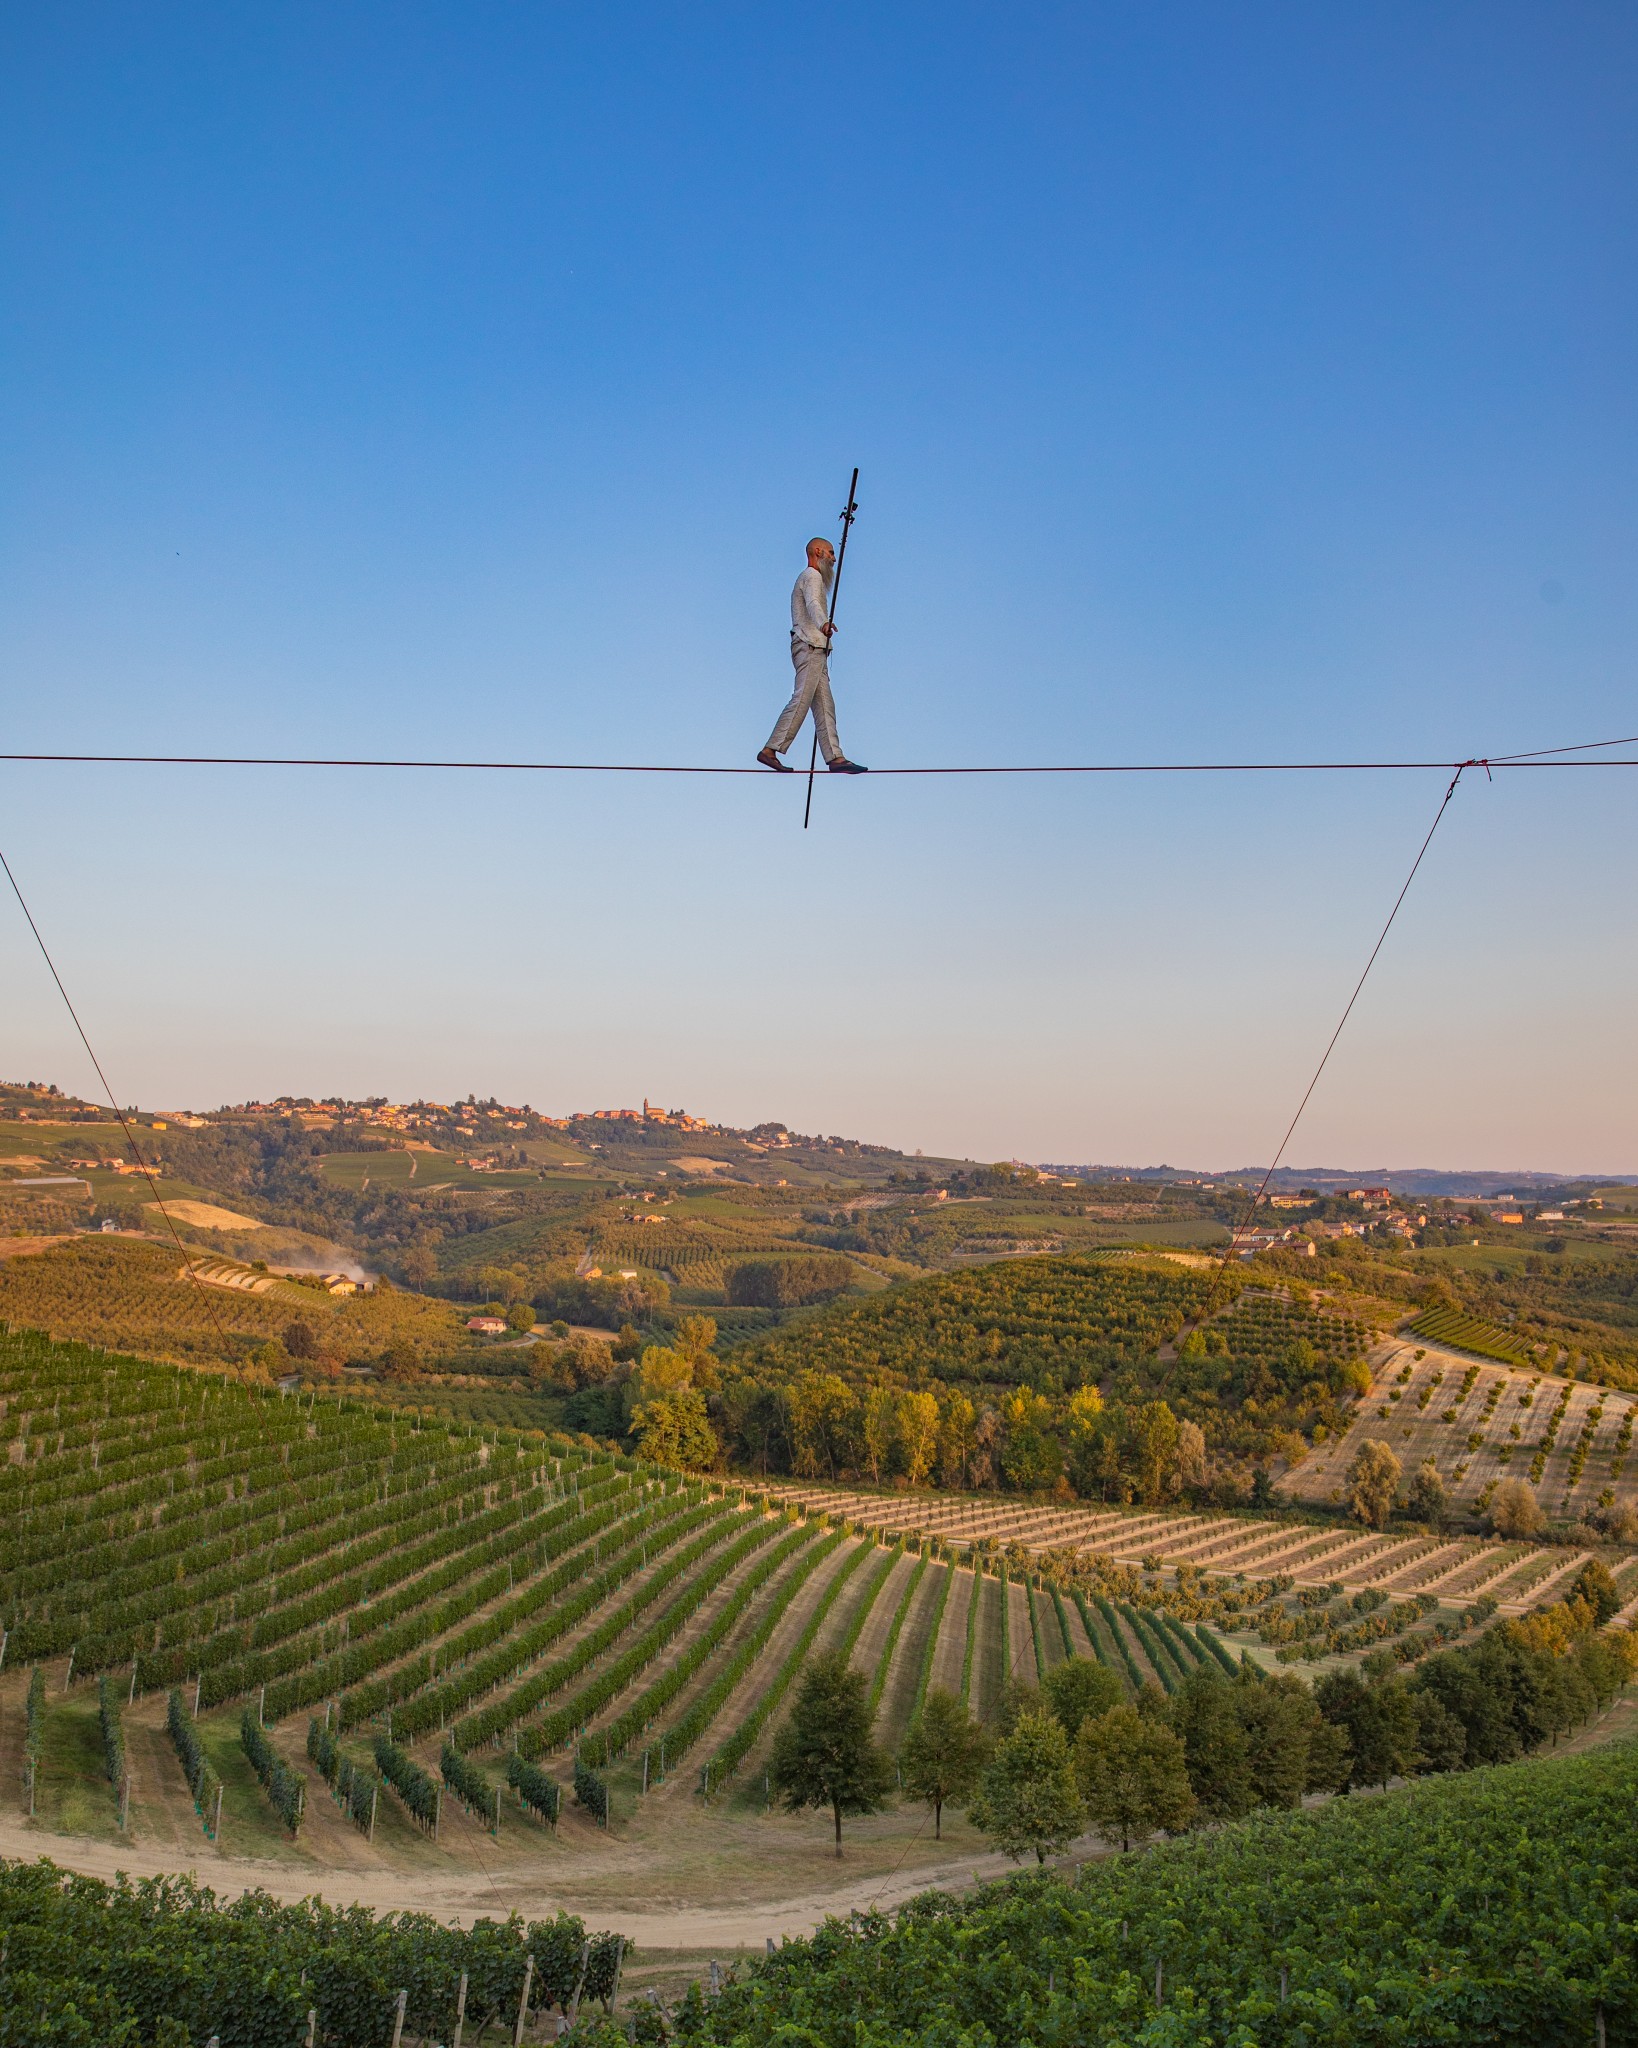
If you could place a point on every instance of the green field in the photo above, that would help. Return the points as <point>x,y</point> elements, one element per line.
<point>1485,1908</point>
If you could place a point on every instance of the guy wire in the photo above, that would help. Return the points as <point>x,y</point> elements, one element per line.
<point>141,1163</point>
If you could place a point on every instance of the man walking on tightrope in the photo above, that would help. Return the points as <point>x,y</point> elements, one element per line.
<point>810,653</point>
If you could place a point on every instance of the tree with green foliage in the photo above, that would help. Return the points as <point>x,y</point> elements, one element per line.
<point>1515,1511</point>
<point>788,1282</point>
<point>943,1754</point>
<point>299,1340</point>
<point>1133,1776</point>
<point>1595,1585</point>
<point>1154,1434</point>
<point>1215,1747</point>
<point>826,1753</point>
<point>1079,1687</point>
<point>1428,1500</point>
<point>820,1416</point>
<point>1373,1482</point>
<point>1028,1798</point>
<point>694,1340</point>
<point>917,1428</point>
<point>1440,1737</point>
<point>1382,1722</point>
<point>674,1430</point>
<point>1031,1458</point>
<point>401,1361</point>
<point>877,1430</point>
<point>1290,1747</point>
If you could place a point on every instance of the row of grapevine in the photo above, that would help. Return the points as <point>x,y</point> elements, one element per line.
<point>884,1663</point>
<point>489,1722</point>
<point>1062,1614</point>
<point>733,1752</point>
<point>112,1730</point>
<point>970,1649</point>
<point>1215,1647</point>
<point>355,1789</point>
<point>283,1786</point>
<point>1114,1634</point>
<point>197,1768</point>
<point>557,1727</point>
<point>414,1786</point>
<point>591,1792</point>
<point>34,1732</point>
<point>538,1789</point>
<point>469,1785</point>
<point>924,1676</point>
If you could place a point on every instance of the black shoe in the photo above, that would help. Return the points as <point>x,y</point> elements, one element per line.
<point>846,767</point>
<point>770,759</point>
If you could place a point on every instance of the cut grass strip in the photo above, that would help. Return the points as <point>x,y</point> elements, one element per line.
<point>972,1639</point>
<point>1035,1632</point>
<point>884,1665</point>
<point>925,1676</point>
<point>856,1626</point>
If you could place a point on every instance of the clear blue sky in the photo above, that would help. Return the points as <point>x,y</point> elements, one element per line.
<point>1226,380</point>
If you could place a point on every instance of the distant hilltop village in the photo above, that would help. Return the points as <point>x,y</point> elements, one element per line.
<point>472,1118</point>
<point>380,1114</point>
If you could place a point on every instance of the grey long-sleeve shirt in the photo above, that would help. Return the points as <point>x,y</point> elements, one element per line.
<point>808,609</point>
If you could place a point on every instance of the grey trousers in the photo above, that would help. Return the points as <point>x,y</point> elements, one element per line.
<point>812,692</point>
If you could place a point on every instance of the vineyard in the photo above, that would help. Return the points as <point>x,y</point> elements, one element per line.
<point>1570,1441</point>
<point>1485,1907</point>
<point>1303,1592</point>
<point>394,1604</point>
<point>699,1258</point>
<point>282,1624</point>
<point>135,1296</point>
<point>319,1608</point>
<point>1485,1340</point>
<point>118,1966</point>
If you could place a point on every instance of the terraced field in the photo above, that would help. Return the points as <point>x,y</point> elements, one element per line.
<point>297,1607</point>
<point>310,1630</point>
<point>1214,1547</point>
<point>1480,1422</point>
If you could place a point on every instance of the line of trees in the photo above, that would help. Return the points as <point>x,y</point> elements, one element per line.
<point>1077,1753</point>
